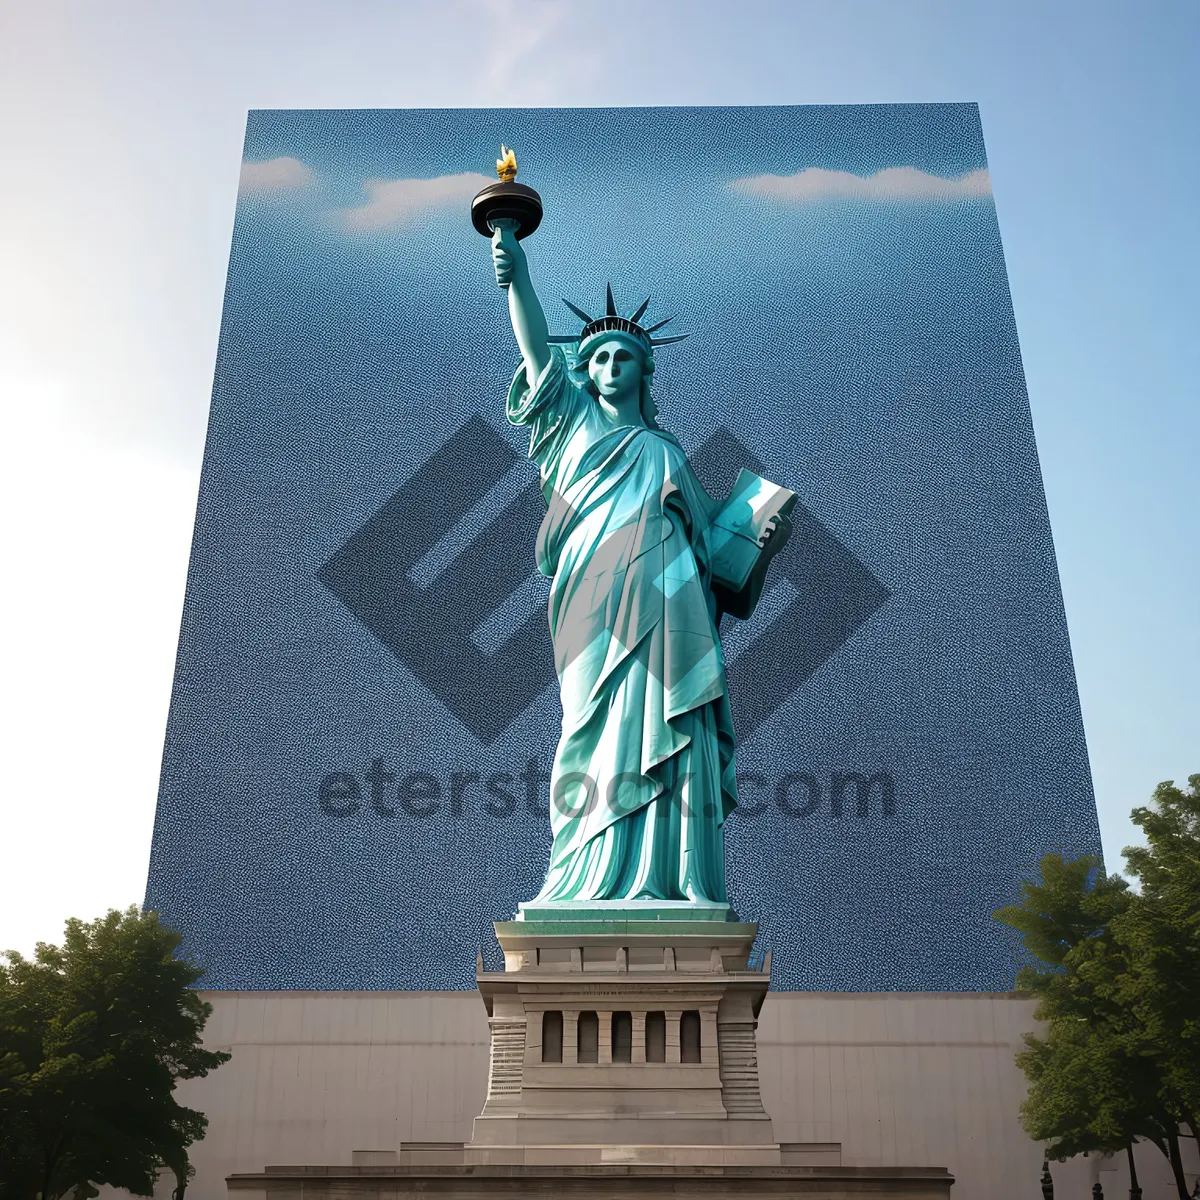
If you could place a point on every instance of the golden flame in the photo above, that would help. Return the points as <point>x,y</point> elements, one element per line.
<point>506,164</point>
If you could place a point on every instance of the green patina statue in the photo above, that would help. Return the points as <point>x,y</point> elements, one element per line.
<point>643,777</point>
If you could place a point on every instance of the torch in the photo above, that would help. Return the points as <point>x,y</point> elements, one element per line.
<point>507,201</point>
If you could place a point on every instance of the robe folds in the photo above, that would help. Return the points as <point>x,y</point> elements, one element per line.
<point>643,776</point>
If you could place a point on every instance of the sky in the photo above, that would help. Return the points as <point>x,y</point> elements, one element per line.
<point>119,163</point>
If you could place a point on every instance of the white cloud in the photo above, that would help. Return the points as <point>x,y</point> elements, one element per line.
<point>283,174</point>
<point>894,184</point>
<point>397,202</point>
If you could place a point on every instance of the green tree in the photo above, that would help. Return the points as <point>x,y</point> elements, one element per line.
<point>1161,936</point>
<point>93,1036</point>
<point>1117,975</point>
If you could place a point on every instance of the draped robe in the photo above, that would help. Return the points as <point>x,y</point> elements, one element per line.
<point>643,776</point>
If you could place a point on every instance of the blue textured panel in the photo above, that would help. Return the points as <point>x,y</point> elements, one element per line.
<point>362,589</point>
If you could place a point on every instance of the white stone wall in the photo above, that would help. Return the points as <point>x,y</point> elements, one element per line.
<point>900,1079</point>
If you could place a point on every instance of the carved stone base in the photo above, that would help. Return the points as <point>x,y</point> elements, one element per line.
<point>629,1033</point>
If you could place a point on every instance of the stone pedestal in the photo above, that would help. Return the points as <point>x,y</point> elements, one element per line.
<point>627,1033</point>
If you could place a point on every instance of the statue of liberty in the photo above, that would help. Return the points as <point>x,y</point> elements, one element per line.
<point>643,777</point>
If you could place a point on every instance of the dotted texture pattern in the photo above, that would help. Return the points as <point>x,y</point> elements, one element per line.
<point>863,349</point>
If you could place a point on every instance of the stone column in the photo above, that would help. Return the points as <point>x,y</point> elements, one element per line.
<point>570,1036</point>
<point>673,1018</point>
<point>604,1048</point>
<point>708,1037</point>
<point>638,1054</point>
<point>533,1036</point>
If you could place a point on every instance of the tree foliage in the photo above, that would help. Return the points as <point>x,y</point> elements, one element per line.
<point>1117,976</point>
<point>1162,936</point>
<point>93,1036</point>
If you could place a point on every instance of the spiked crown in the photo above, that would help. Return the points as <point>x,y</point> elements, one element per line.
<point>613,322</point>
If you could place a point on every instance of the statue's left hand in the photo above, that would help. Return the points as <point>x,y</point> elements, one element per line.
<point>742,604</point>
<point>775,535</point>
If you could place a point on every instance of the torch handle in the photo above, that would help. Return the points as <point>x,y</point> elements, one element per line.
<point>506,250</point>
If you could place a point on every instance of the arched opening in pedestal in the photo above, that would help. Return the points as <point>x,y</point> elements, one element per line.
<point>589,1038</point>
<point>552,1037</point>
<point>689,1037</point>
<point>622,1037</point>
<point>656,1037</point>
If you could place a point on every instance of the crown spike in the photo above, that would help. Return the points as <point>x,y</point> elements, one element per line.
<point>660,324</point>
<point>578,312</point>
<point>611,310</point>
<point>679,337</point>
<point>637,316</point>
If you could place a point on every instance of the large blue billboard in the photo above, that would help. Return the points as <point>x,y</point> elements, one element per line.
<point>365,710</point>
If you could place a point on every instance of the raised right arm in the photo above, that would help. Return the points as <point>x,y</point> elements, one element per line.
<point>524,307</point>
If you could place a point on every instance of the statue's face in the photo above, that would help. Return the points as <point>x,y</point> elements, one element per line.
<point>616,370</point>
